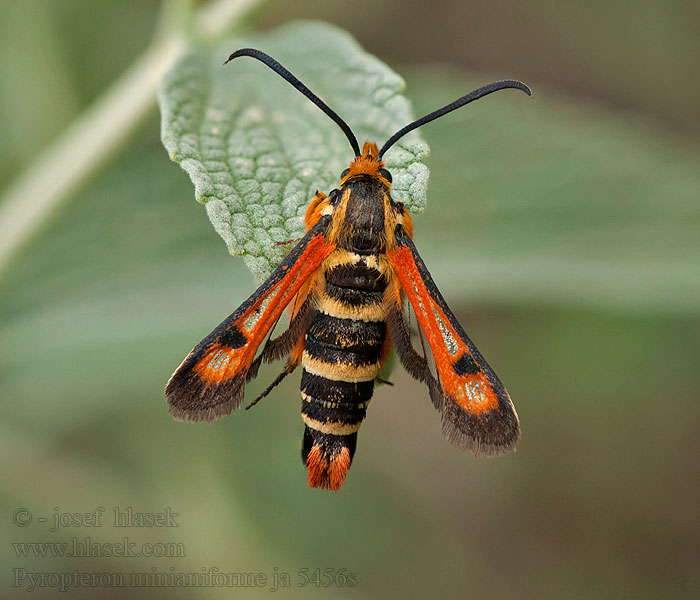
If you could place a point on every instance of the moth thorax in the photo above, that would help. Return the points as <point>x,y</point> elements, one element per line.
<point>363,230</point>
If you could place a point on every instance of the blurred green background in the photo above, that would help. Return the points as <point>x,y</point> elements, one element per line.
<point>563,232</point>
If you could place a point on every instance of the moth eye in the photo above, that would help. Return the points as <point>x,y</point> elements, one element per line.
<point>384,173</point>
<point>344,173</point>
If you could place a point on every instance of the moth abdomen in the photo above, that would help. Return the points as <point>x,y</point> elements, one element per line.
<point>341,360</point>
<point>356,276</point>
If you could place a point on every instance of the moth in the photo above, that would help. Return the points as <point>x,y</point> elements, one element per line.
<point>349,283</point>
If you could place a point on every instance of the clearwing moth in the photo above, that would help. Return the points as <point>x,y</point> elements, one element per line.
<point>349,282</point>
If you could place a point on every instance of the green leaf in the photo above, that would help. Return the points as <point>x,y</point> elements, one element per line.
<point>257,150</point>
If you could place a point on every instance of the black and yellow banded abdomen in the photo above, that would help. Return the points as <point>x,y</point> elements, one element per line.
<point>340,362</point>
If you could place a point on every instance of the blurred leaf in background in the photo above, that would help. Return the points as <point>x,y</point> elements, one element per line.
<point>562,232</point>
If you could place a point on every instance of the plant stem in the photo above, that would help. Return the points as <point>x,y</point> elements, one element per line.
<point>96,135</point>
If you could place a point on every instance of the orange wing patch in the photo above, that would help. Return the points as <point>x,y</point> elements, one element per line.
<point>460,376</point>
<point>477,412</point>
<point>209,382</point>
<point>235,347</point>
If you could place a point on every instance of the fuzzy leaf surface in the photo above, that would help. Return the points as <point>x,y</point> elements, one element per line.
<point>257,150</point>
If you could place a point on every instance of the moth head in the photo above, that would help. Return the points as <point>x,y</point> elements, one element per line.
<point>367,164</point>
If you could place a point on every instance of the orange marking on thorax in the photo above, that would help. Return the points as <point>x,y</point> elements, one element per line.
<point>408,224</point>
<point>367,164</point>
<point>313,210</point>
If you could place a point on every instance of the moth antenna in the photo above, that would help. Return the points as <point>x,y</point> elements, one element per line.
<point>470,97</point>
<point>285,74</point>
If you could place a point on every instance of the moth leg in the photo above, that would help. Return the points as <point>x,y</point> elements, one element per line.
<point>288,368</point>
<point>415,364</point>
